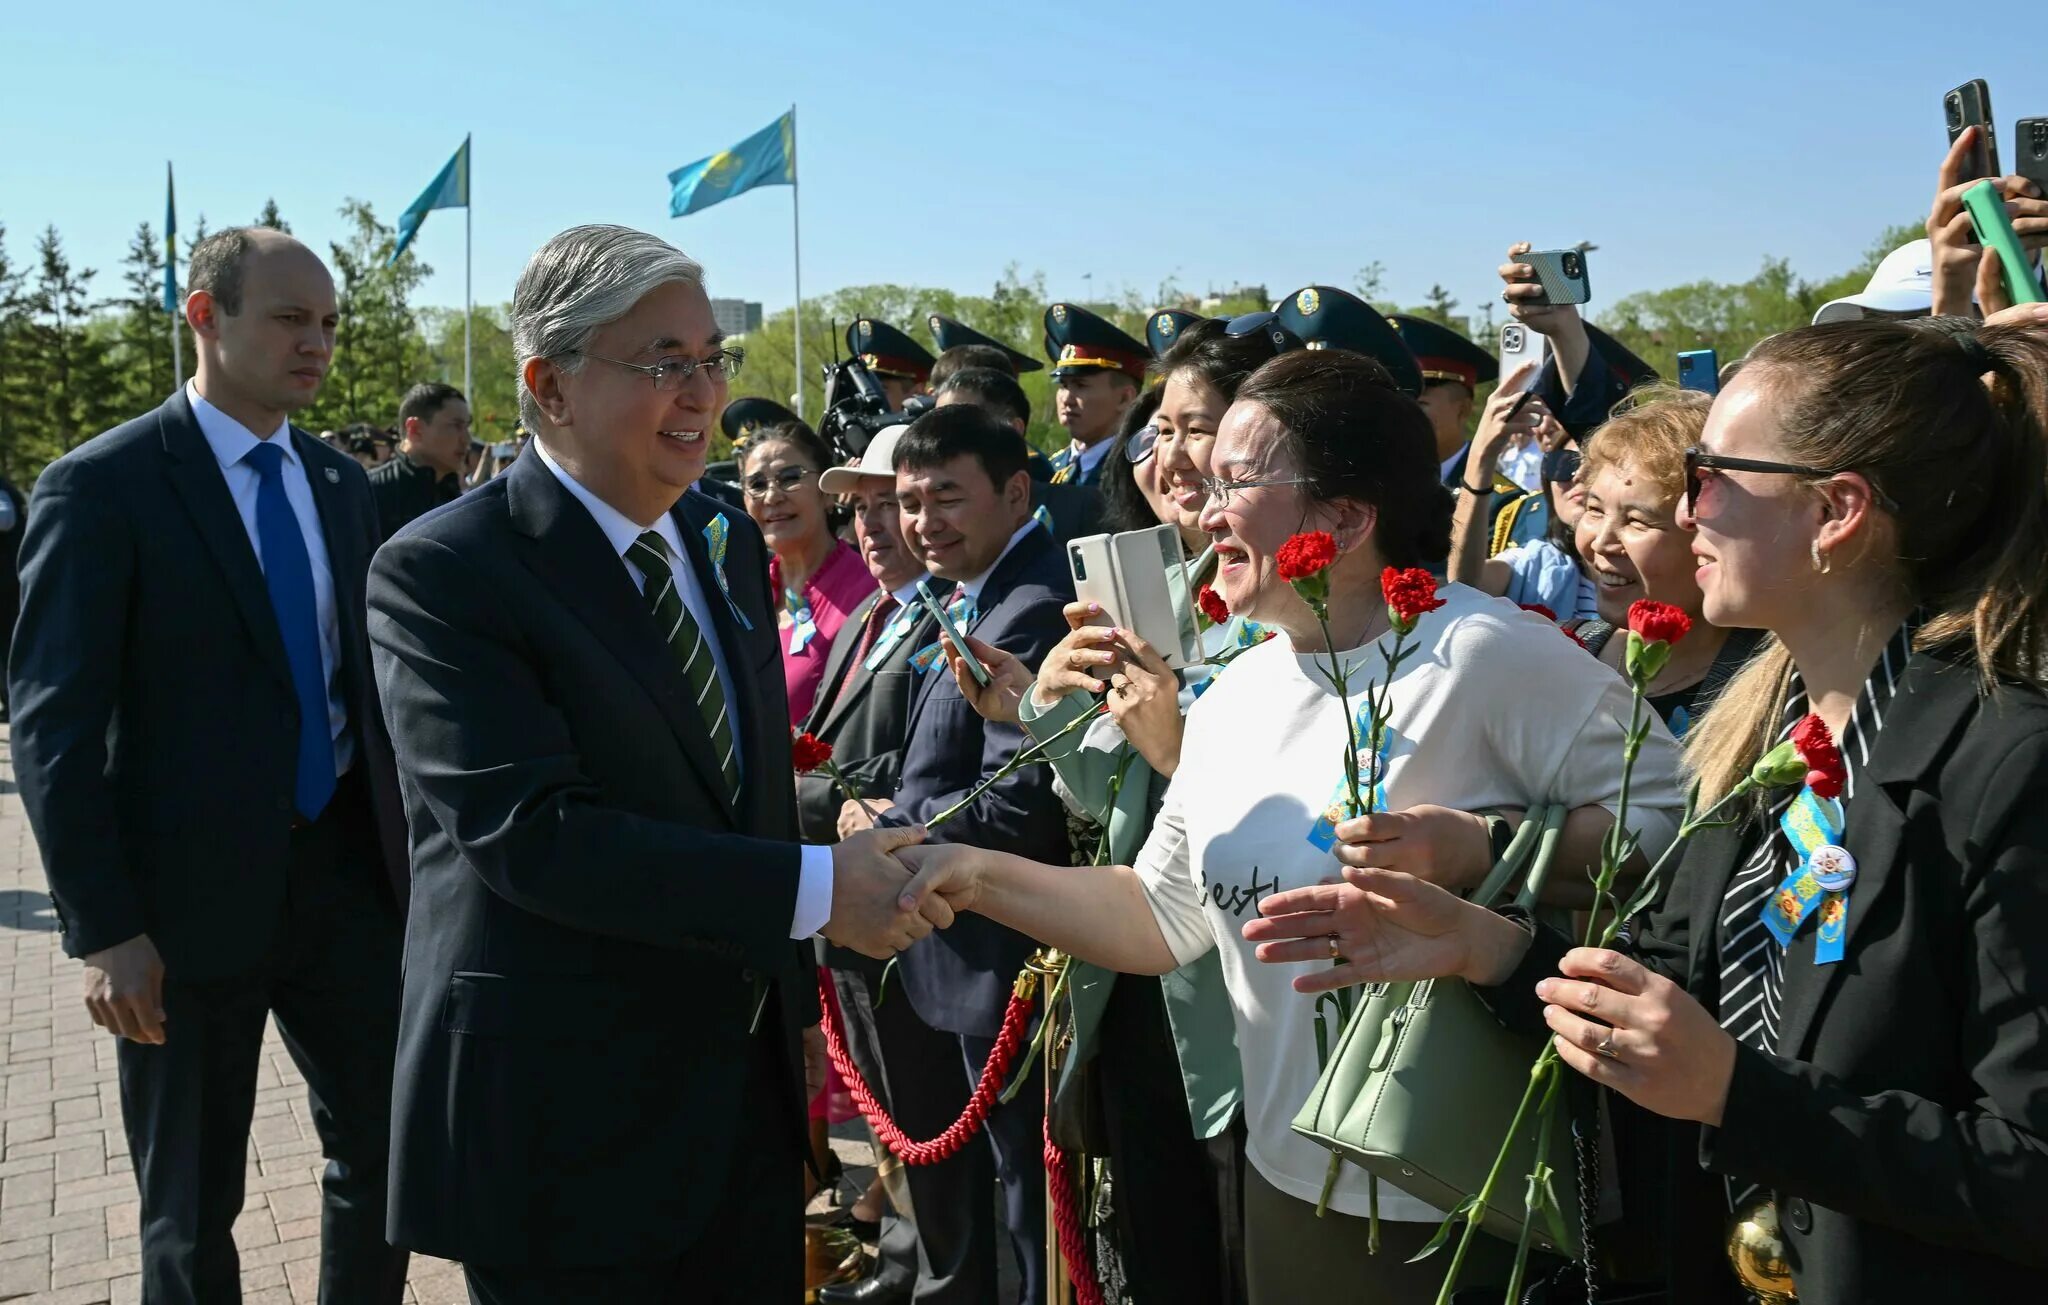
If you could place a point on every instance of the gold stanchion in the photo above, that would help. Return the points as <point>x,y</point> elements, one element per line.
<point>1059,1286</point>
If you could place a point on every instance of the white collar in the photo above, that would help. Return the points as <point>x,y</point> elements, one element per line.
<point>619,529</point>
<point>973,587</point>
<point>230,440</point>
<point>908,593</point>
<point>1089,456</point>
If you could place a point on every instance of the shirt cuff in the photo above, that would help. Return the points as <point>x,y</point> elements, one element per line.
<point>813,891</point>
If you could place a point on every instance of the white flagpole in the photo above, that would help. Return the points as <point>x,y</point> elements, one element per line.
<point>797,250</point>
<point>468,305</point>
<point>177,351</point>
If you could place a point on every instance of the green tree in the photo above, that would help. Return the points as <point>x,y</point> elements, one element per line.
<point>270,217</point>
<point>494,406</point>
<point>143,335</point>
<point>17,427</point>
<point>70,366</point>
<point>379,352</point>
<point>1437,306</point>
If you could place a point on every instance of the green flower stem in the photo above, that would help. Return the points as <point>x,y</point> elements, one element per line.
<point>1053,994</point>
<point>1477,1208</point>
<point>1037,752</point>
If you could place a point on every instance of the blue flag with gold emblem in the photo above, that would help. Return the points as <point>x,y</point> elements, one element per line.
<point>766,158</point>
<point>170,241</point>
<point>448,189</point>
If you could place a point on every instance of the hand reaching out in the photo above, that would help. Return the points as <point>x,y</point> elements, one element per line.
<point>866,883</point>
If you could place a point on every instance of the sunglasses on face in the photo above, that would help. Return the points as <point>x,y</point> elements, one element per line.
<point>1699,462</point>
<point>786,480</point>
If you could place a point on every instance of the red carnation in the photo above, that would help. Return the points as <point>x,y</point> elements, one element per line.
<point>1825,772</point>
<point>1541,611</point>
<point>809,752</point>
<point>1409,593</point>
<point>1213,606</point>
<point>1306,554</point>
<point>1658,622</point>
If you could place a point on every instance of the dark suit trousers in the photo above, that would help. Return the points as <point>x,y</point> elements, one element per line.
<point>750,1253</point>
<point>332,982</point>
<point>930,1080</point>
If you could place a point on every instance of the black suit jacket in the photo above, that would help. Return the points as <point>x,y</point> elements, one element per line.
<point>155,725</point>
<point>591,912</point>
<point>1904,1124</point>
<point>958,979</point>
<point>405,491</point>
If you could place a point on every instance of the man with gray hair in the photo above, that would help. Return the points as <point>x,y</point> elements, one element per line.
<point>609,993</point>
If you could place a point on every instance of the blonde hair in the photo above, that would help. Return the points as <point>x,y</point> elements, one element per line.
<point>1649,432</point>
<point>1949,420</point>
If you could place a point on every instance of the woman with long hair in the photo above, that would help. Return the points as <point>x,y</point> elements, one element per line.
<point>1322,441</point>
<point>1862,1068</point>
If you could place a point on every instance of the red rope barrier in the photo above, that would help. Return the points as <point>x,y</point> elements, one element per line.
<point>1022,997</point>
<point>1066,1221</point>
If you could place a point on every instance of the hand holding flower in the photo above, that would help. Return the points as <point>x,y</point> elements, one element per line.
<point>1446,847</point>
<point>1666,1052</point>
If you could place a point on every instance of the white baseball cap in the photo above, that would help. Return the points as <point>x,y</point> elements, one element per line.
<point>879,460</point>
<point>1902,284</point>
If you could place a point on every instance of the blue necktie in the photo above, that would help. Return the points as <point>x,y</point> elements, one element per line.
<point>288,574</point>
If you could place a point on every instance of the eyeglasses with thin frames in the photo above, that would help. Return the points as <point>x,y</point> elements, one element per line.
<point>1220,490</point>
<point>671,374</point>
<point>1699,461</point>
<point>786,480</point>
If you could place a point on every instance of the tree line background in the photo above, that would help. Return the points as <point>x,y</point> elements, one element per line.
<point>75,359</point>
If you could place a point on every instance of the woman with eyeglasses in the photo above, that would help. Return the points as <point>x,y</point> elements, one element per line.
<point>1629,536</point>
<point>1320,440</point>
<point>1842,1082</point>
<point>819,575</point>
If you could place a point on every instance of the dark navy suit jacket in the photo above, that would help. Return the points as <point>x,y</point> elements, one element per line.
<point>958,979</point>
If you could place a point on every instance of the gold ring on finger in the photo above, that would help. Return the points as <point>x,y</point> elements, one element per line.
<point>1335,954</point>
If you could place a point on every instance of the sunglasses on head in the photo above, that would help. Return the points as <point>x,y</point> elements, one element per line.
<point>1265,325</point>
<point>1698,462</point>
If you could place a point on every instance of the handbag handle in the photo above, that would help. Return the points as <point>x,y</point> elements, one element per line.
<point>1546,852</point>
<point>1509,867</point>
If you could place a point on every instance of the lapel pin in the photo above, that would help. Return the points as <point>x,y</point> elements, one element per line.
<point>333,476</point>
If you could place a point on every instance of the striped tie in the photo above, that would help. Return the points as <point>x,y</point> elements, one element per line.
<point>692,653</point>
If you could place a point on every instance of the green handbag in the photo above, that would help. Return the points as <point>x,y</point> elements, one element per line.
<point>1424,1081</point>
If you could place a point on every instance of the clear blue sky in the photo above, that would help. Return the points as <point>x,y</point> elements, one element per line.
<point>1270,142</point>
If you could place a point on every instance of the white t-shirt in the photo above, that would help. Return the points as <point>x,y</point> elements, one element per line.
<point>1495,708</point>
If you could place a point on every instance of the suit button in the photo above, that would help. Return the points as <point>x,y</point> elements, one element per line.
<point>1799,1215</point>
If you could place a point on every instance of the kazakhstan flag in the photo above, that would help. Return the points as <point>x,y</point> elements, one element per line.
<point>448,189</point>
<point>766,158</point>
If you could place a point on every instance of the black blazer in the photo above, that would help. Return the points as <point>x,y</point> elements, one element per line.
<point>591,913</point>
<point>958,979</point>
<point>1904,1125</point>
<point>155,725</point>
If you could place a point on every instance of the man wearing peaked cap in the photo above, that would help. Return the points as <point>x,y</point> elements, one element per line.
<point>951,334</point>
<point>1163,328</point>
<point>1324,317</point>
<point>1453,369</point>
<point>1097,368</point>
<point>901,364</point>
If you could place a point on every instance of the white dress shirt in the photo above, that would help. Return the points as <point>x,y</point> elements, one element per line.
<point>814,885</point>
<point>232,442</point>
<point>1084,458</point>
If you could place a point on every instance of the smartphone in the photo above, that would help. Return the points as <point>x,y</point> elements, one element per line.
<point>1519,344</point>
<point>1699,369</point>
<point>1969,105</point>
<point>2030,147</point>
<point>1561,273</point>
<point>1127,576</point>
<point>953,631</point>
<point>1986,205</point>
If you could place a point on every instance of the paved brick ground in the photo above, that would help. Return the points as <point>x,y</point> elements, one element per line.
<point>67,1193</point>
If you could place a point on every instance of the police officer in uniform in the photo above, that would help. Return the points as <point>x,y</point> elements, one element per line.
<point>899,363</point>
<point>1097,368</point>
<point>950,334</point>
<point>1163,328</point>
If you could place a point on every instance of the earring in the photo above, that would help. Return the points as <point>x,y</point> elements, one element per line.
<point>1821,561</point>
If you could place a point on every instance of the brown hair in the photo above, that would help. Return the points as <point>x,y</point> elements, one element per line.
<point>1950,421</point>
<point>1650,431</point>
<point>1355,436</point>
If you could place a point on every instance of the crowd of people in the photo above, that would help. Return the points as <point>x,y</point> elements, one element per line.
<point>481,778</point>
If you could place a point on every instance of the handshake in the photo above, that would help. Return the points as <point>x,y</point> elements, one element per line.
<point>887,892</point>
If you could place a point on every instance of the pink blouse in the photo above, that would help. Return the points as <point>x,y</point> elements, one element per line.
<point>831,594</point>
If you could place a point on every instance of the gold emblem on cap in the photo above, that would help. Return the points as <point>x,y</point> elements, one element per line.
<point>1059,313</point>
<point>1164,323</point>
<point>1308,301</point>
<point>935,321</point>
<point>1069,352</point>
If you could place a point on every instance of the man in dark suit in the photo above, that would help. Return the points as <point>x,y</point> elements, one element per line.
<point>601,1090</point>
<point>433,422</point>
<point>200,752</point>
<point>1069,509</point>
<point>966,503</point>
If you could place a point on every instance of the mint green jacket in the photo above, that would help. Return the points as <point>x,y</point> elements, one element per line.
<point>1197,1003</point>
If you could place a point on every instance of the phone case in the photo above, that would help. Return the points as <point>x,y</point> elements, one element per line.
<point>1519,344</point>
<point>1994,231</point>
<point>1969,105</point>
<point>953,631</point>
<point>2030,151</point>
<point>1559,288</point>
<point>1126,575</point>
<point>1699,369</point>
